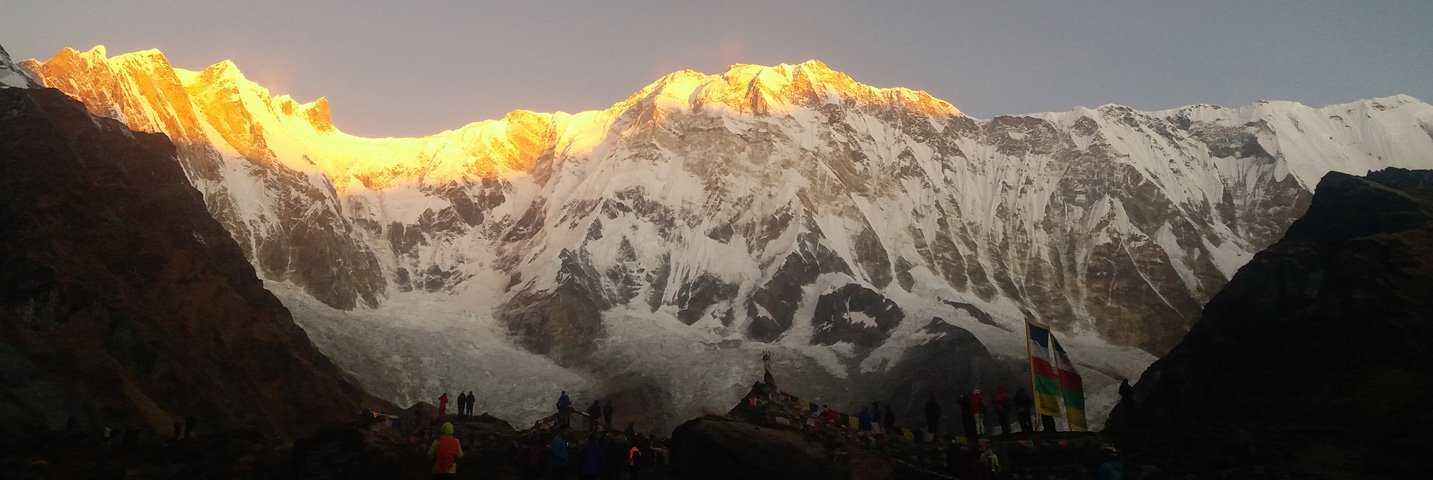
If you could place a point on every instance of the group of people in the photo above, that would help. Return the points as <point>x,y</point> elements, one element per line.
<point>466,401</point>
<point>974,410</point>
<point>598,413</point>
<point>602,455</point>
<point>546,449</point>
<point>966,456</point>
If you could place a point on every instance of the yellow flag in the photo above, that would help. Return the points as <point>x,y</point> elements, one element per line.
<point>855,422</point>
<point>906,432</point>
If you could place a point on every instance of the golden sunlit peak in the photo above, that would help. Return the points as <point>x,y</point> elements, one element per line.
<point>758,88</point>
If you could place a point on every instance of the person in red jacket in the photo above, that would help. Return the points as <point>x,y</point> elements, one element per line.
<point>443,407</point>
<point>445,453</point>
<point>1001,405</point>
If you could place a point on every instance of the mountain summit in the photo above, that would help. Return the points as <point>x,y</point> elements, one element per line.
<point>876,242</point>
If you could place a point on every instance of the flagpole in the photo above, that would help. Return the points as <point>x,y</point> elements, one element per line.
<point>1029,363</point>
<point>1030,360</point>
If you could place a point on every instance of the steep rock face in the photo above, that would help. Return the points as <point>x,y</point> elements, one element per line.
<point>1319,340</point>
<point>751,208</point>
<point>125,302</point>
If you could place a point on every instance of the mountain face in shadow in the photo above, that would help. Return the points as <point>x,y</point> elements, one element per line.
<point>1316,353</point>
<point>124,302</point>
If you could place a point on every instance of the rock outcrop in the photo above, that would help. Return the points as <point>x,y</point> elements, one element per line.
<point>1314,358</point>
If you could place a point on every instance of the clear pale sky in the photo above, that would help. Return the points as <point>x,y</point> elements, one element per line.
<point>419,67</point>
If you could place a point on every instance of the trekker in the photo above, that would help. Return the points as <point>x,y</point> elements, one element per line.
<point>442,406</point>
<point>614,456</point>
<point>977,407</point>
<point>876,418</point>
<point>589,466</point>
<point>1023,404</point>
<point>1047,423</point>
<point>1001,405</point>
<point>472,402</point>
<point>564,410</point>
<point>530,459</point>
<point>1126,390</point>
<point>564,402</point>
<point>863,420</point>
<point>989,462</point>
<point>445,453</point>
<point>607,414</point>
<point>932,417</point>
<point>634,461</point>
<point>594,414</point>
<point>1110,467</point>
<point>766,377</point>
<point>558,458</point>
<point>967,416</point>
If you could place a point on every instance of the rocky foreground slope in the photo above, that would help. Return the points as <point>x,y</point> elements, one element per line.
<point>1314,359</point>
<point>125,304</point>
<point>653,250</point>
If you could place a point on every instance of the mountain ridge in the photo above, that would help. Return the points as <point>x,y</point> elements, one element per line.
<point>848,237</point>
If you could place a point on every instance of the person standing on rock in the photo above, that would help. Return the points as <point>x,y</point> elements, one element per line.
<point>876,418</point>
<point>889,420</point>
<point>445,452</point>
<point>967,416</point>
<point>932,417</point>
<point>607,414</point>
<point>1001,405</point>
<point>1126,391</point>
<point>594,414</point>
<point>442,406</point>
<point>564,402</point>
<point>977,408</point>
<point>1023,404</point>
<point>564,410</point>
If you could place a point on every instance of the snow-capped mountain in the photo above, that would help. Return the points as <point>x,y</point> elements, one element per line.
<point>12,76</point>
<point>878,242</point>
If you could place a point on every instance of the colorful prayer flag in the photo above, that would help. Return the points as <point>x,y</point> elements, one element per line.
<point>1043,374</point>
<point>804,406</point>
<point>1072,387</point>
<point>906,432</point>
<point>854,422</point>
